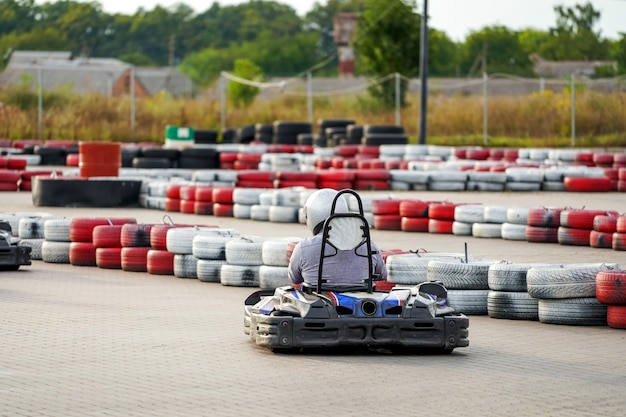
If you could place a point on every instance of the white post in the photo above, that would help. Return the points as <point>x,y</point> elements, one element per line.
<point>39,103</point>
<point>573,87</point>
<point>542,85</point>
<point>397,76</point>
<point>309,95</point>
<point>485,108</point>
<point>222,84</point>
<point>132,102</point>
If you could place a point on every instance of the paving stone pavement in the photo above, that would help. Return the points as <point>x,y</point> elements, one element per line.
<point>83,341</point>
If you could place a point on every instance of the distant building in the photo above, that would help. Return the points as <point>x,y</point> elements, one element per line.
<point>562,69</point>
<point>107,76</point>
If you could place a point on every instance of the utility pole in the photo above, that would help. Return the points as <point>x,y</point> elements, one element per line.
<point>172,50</point>
<point>424,74</point>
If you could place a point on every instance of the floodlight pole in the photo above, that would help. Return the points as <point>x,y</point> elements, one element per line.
<point>423,74</point>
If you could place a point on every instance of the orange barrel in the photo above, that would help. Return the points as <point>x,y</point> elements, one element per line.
<point>99,159</point>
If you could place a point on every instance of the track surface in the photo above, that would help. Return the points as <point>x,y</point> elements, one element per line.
<point>82,341</point>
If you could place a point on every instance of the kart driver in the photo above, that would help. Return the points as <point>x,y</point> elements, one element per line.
<point>346,268</point>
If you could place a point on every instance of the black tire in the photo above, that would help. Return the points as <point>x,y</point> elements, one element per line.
<point>285,139</point>
<point>573,311</point>
<point>354,134</point>
<point>245,134</point>
<point>205,136</point>
<point>382,129</point>
<point>228,136</point>
<point>51,155</point>
<point>460,276</point>
<point>152,163</point>
<point>377,139</point>
<point>291,128</point>
<point>171,154</point>
<point>512,306</point>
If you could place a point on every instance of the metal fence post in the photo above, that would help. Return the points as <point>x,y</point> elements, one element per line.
<point>39,103</point>
<point>309,95</point>
<point>485,109</point>
<point>573,87</point>
<point>398,121</point>
<point>542,85</point>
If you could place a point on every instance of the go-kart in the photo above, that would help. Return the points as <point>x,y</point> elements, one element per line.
<point>327,315</point>
<point>12,255</point>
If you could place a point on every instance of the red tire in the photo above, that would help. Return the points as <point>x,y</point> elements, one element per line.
<point>172,205</point>
<point>600,239</point>
<point>255,184</point>
<point>382,207</point>
<point>414,224</point>
<point>158,235</point>
<point>619,241</point>
<point>188,206</point>
<point>587,185</point>
<point>223,195</point>
<point>413,208</point>
<point>336,175</point>
<point>255,175</point>
<point>135,235</point>
<point>188,192</point>
<point>13,163</point>
<point>620,225</point>
<point>477,154</point>
<point>294,183</point>
<point>250,158</point>
<point>539,234</point>
<point>81,228</point>
<point>616,316</point>
<point>204,193</point>
<point>107,236</point>
<point>173,191</point>
<point>387,221</point>
<point>621,186</point>
<point>9,175</point>
<point>109,258</point>
<point>223,209</point>
<point>135,259</point>
<point>606,224</point>
<point>372,174</point>
<point>544,217</point>
<point>582,219</point>
<point>442,211</point>
<point>71,160</point>
<point>26,185</point>
<point>82,254</point>
<point>160,262</point>
<point>371,185</point>
<point>437,226</point>
<point>296,176</point>
<point>8,186</point>
<point>611,287</point>
<point>621,174</point>
<point>28,175</point>
<point>573,236</point>
<point>335,185</point>
<point>603,159</point>
<point>203,208</point>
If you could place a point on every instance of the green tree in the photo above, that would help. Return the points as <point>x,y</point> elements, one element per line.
<point>497,47</point>
<point>243,95</point>
<point>574,36</point>
<point>17,16</point>
<point>388,42</point>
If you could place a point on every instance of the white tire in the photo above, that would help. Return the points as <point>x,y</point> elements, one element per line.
<point>185,266</point>
<point>446,186</point>
<point>260,213</point>
<point>283,214</point>
<point>249,196</point>
<point>271,277</point>
<point>461,228</point>
<point>179,240</point>
<point>209,270</point>
<point>31,227</point>
<point>246,250</point>
<point>511,231</point>
<point>209,247</point>
<point>240,275</point>
<point>242,211</point>
<point>469,213</point>
<point>55,252</point>
<point>35,245</point>
<point>495,214</point>
<point>57,230</point>
<point>487,230</point>
<point>517,215</point>
<point>274,252</point>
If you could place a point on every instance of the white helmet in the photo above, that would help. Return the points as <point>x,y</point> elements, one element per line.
<point>318,205</point>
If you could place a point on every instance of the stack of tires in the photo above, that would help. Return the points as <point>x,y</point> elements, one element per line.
<point>295,179</point>
<point>135,240</point>
<point>263,133</point>
<point>387,214</point>
<point>159,260</point>
<point>180,242</point>
<point>414,216</point>
<point>287,132</point>
<point>244,199</point>
<point>256,179</point>
<point>611,291</point>
<point>508,297</point>
<point>203,200</point>
<point>157,158</point>
<point>621,178</point>
<point>485,181</point>
<point>340,125</point>
<point>408,180</point>
<point>384,135</point>
<point>56,248</point>
<point>543,224</point>
<point>465,216</point>
<point>447,180</point>
<point>223,201</point>
<point>187,194</point>
<point>245,134</point>
<point>441,217</point>
<point>603,229</point>
<point>210,252</point>
<point>494,217</point>
<point>172,198</point>
<point>523,179</point>
<point>576,226</point>
<point>335,178</point>
<point>516,223</point>
<point>30,231</point>
<point>619,237</point>
<point>567,293</point>
<point>409,269</point>
<point>198,158</point>
<point>285,205</point>
<point>108,244</point>
<point>204,136</point>
<point>467,283</point>
<point>244,257</point>
<point>275,255</point>
<point>82,248</point>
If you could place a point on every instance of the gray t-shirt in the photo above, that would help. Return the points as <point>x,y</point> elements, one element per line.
<point>345,268</point>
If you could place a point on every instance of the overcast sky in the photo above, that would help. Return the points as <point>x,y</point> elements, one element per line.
<point>455,17</point>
